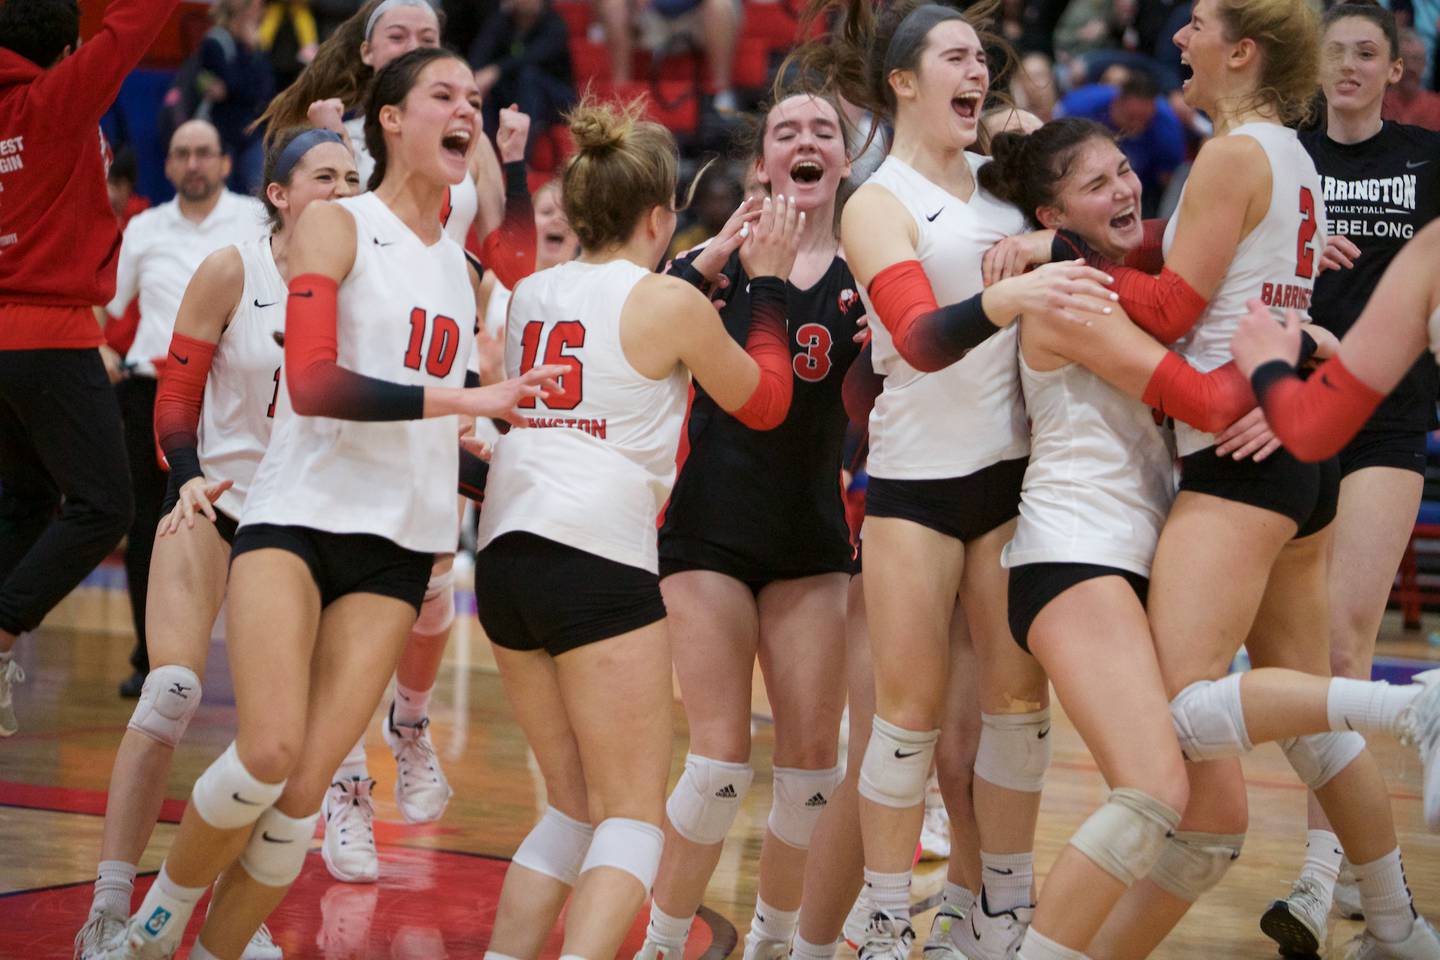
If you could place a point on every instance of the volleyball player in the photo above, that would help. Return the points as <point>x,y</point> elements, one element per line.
<point>947,453</point>
<point>352,499</point>
<point>213,415</point>
<point>566,574</point>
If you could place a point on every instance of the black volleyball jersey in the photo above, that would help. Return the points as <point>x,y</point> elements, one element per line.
<point>1379,193</point>
<point>771,499</point>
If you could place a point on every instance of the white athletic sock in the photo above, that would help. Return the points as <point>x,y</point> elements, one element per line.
<point>1322,860</point>
<point>1008,878</point>
<point>956,898</point>
<point>113,888</point>
<point>667,931</point>
<point>411,706</point>
<point>167,908</point>
<point>802,949</point>
<point>1037,946</point>
<point>1369,706</point>
<point>889,892</point>
<point>770,923</point>
<point>354,766</point>
<point>1389,908</point>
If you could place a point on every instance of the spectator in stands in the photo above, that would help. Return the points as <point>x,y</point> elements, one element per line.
<point>236,79</point>
<point>289,36</point>
<point>126,202</point>
<point>664,25</point>
<point>716,198</point>
<point>521,56</point>
<point>1090,25</point>
<point>161,250</point>
<point>1148,131</point>
<point>1408,101</point>
<point>1033,86</point>
<point>462,21</point>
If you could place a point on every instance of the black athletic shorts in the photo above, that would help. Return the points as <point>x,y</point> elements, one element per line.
<point>680,554</point>
<point>1279,483</point>
<point>225,525</point>
<point>1034,585</point>
<point>1327,500</point>
<point>345,563</point>
<point>1401,449</point>
<point>965,507</point>
<point>536,594</point>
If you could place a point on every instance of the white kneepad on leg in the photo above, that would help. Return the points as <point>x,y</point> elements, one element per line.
<point>277,847</point>
<point>799,797</point>
<point>556,847</point>
<point>706,800</point>
<point>227,796</point>
<point>168,701</point>
<point>1210,721</point>
<point>1014,750</point>
<point>1319,757</point>
<point>1193,863</point>
<point>437,611</point>
<point>897,764</point>
<point>630,845</point>
<point>1127,835</point>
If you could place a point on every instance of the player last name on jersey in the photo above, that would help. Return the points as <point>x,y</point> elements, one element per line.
<point>596,428</point>
<point>1285,296</point>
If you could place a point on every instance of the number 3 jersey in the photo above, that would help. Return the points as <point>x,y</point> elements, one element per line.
<point>405,314</point>
<point>598,460</point>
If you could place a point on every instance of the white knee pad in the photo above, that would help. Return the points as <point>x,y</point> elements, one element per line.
<point>1127,835</point>
<point>1193,863</point>
<point>1318,757</point>
<point>798,799</point>
<point>630,845</point>
<point>168,700</point>
<point>896,765</point>
<point>228,797</point>
<point>556,847</point>
<point>437,611</point>
<point>707,798</point>
<point>1209,720</point>
<point>277,847</point>
<point>1014,750</point>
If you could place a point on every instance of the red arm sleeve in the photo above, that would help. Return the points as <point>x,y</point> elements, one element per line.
<point>927,336</point>
<point>177,404</point>
<point>509,250</point>
<point>861,387</point>
<point>1207,401</point>
<point>1164,306</point>
<point>1315,418</point>
<point>768,344</point>
<point>1150,255</point>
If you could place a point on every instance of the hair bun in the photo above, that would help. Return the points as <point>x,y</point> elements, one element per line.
<point>599,127</point>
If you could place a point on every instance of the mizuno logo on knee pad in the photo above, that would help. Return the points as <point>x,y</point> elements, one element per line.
<point>179,690</point>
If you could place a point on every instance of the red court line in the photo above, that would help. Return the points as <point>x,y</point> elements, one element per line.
<point>91,803</point>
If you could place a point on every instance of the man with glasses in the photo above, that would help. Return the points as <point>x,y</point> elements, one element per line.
<point>161,250</point>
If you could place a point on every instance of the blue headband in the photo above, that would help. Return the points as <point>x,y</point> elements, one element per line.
<point>300,146</point>
<point>913,29</point>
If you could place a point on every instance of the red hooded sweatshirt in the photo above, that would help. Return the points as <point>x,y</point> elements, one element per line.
<point>59,239</point>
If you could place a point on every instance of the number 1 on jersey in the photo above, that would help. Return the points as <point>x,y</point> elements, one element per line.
<point>569,333</point>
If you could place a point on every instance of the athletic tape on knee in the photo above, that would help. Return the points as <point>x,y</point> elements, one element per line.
<point>168,701</point>
<point>1126,836</point>
<point>630,845</point>
<point>1014,750</point>
<point>896,764</point>
<point>1319,757</point>
<point>556,847</point>
<point>228,797</point>
<point>1209,720</point>
<point>1193,863</point>
<point>707,798</point>
<point>277,847</point>
<point>437,611</point>
<point>797,800</point>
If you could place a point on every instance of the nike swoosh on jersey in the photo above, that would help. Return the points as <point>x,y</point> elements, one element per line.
<point>1414,165</point>
<point>262,306</point>
<point>931,216</point>
<point>388,243</point>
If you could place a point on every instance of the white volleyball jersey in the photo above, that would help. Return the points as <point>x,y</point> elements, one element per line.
<point>406,313</point>
<point>461,206</point>
<point>968,416</point>
<point>1101,474</point>
<point>244,381</point>
<point>597,463</point>
<point>494,324</point>
<point>1276,262</point>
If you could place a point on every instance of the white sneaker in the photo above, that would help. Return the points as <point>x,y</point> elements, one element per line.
<point>994,936</point>
<point>650,950</point>
<point>1422,944</point>
<point>349,816</point>
<point>886,938</point>
<point>421,790</point>
<point>1420,727</point>
<point>764,949</point>
<point>10,675</point>
<point>345,915</point>
<point>1347,904</point>
<point>1297,923</point>
<point>100,928</point>
<point>262,946</point>
<point>131,943</point>
<point>945,933</point>
<point>855,923</point>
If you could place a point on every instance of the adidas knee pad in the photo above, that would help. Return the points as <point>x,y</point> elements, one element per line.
<point>277,847</point>
<point>1193,863</point>
<point>707,798</point>
<point>1014,750</point>
<point>228,797</point>
<point>1126,836</point>
<point>630,845</point>
<point>556,847</point>
<point>896,765</point>
<point>168,701</point>
<point>1317,758</point>
<point>1209,720</point>
<point>798,799</point>
<point>437,611</point>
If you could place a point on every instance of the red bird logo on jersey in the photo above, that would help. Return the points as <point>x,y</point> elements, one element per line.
<point>846,300</point>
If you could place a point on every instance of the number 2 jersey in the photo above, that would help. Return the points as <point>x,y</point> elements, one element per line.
<point>769,502</point>
<point>405,314</point>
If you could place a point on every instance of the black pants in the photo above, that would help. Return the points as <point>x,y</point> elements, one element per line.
<point>65,496</point>
<point>147,485</point>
